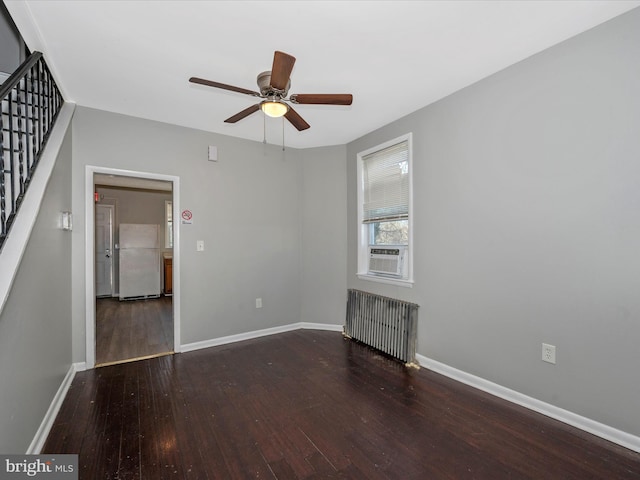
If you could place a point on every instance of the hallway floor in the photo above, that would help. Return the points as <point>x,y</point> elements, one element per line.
<point>132,329</point>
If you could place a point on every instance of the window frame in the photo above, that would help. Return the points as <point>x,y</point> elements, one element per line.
<point>363,228</point>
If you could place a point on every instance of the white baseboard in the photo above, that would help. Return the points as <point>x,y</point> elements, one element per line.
<point>321,326</point>
<point>214,342</point>
<point>614,435</point>
<point>47,422</point>
<point>80,366</point>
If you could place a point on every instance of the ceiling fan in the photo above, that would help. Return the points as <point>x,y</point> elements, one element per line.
<point>274,86</point>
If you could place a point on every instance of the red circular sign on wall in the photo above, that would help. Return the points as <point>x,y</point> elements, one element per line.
<point>187,215</point>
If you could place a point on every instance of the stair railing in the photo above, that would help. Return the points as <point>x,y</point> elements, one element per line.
<point>30,102</point>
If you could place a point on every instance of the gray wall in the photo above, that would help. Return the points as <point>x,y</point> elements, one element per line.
<point>247,208</point>
<point>35,324</point>
<point>527,224</point>
<point>12,51</point>
<point>324,233</point>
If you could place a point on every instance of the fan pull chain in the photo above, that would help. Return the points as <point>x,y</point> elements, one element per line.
<point>283,134</point>
<point>264,128</point>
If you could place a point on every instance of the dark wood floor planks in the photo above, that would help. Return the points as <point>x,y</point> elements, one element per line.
<point>311,405</point>
<point>133,328</point>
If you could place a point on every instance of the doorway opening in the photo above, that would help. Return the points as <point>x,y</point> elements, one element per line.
<point>133,300</point>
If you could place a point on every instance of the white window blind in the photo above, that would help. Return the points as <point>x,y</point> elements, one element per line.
<point>385,176</point>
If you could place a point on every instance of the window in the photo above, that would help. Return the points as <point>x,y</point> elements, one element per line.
<point>168,227</point>
<point>384,212</point>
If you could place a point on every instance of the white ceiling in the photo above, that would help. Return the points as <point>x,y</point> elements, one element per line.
<point>135,57</point>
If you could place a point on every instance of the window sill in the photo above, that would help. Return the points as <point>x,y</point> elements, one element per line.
<point>390,281</point>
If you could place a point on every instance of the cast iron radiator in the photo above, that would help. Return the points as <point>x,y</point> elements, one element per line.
<point>384,323</point>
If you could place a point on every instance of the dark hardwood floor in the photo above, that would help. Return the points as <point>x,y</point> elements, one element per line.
<point>311,405</point>
<point>132,329</point>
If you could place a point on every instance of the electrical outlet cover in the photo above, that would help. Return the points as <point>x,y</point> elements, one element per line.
<point>548,353</point>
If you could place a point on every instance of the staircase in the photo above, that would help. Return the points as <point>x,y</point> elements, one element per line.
<point>30,102</point>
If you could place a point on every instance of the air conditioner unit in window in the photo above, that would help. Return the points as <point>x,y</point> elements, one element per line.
<point>387,260</point>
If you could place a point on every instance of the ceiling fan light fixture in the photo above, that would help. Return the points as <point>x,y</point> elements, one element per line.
<point>274,109</point>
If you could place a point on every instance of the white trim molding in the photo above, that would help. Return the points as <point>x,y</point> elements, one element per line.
<point>601,430</point>
<point>214,342</point>
<point>90,299</point>
<point>389,281</point>
<point>362,272</point>
<point>47,422</point>
<point>320,326</point>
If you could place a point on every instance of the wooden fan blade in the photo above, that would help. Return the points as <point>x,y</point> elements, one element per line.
<point>244,113</point>
<point>281,70</point>
<point>224,86</point>
<point>296,120</point>
<point>323,98</point>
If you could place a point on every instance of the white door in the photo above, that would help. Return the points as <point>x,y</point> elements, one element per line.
<point>104,250</point>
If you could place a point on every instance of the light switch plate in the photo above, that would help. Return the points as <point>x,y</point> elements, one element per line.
<point>213,153</point>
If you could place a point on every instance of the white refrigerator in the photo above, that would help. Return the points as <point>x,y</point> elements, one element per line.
<point>139,261</point>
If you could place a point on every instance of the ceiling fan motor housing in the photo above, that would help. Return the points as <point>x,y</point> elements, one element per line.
<point>266,90</point>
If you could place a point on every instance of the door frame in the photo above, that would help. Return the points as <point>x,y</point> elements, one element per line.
<point>89,262</point>
<point>112,208</point>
